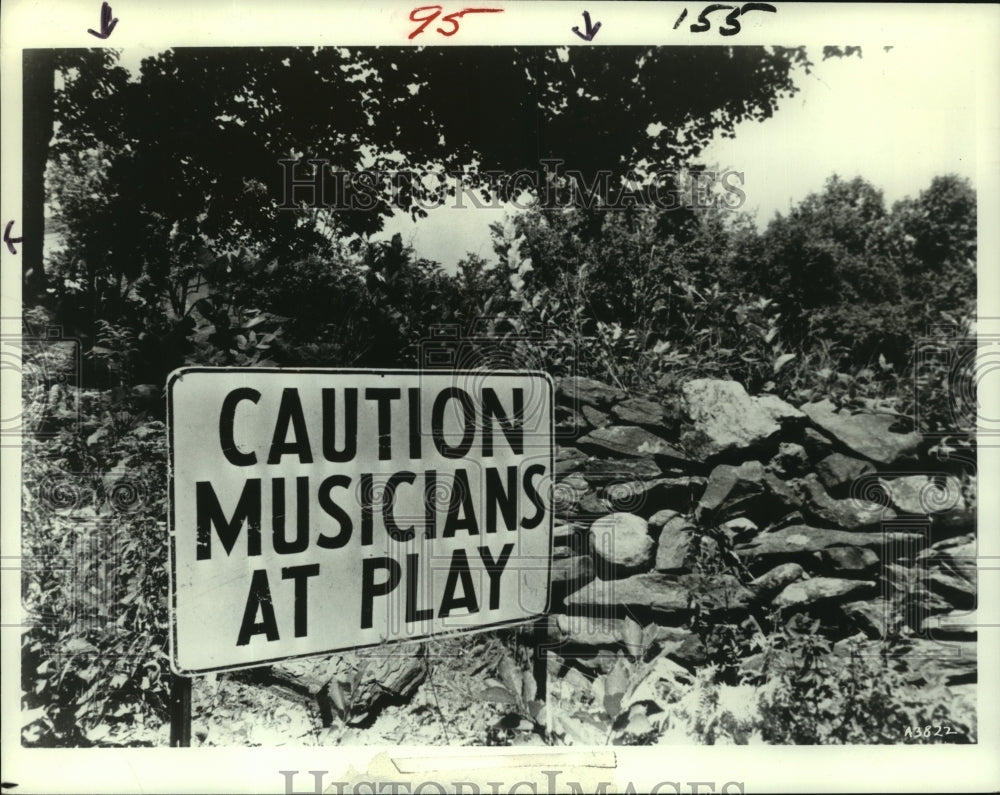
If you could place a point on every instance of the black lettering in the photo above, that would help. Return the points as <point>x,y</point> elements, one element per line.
<point>208,512</point>
<point>388,498</point>
<point>370,589</point>
<point>506,499</point>
<point>430,503</point>
<point>281,544</point>
<point>412,578</point>
<point>334,510</point>
<point>259,597</point>
<point>383,396</point>
<point>290,410</point>
<point>533,496</point>
<point>468,420</point>
<point>414,393</point>
<point>227,419</point>
<point>300,575</point>
<point>330,451</point>
<point>459,571</point>
<point>461,511</point>
<point>494,568</point>
<point>513,430</point>
<point>367,517</point>
<point>703,23</point>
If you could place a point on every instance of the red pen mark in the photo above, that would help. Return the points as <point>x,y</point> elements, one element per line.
<point>435,11</point>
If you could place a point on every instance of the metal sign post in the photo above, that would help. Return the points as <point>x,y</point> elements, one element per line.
<point>180,711</point>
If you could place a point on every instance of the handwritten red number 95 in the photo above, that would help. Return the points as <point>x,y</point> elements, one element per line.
<point>427,14</point>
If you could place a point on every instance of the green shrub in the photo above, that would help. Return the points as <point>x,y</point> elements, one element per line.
<point>814,695</point>
<point>94,519</point>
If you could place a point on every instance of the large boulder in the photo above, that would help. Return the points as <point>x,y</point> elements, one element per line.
<point>568,490</point>
<point>576,636</point>
<point>738,530</point>
<point>847,561</point>
<point>570,423</point>
<point>569,574</point>
<point>627,440</point>
<point>731,491</point>
<point>648,414</point>
<point>678,545</point>
<point>569,459</point>
<point>595,417</point>
<point>950,626</point>
<point>647,497</point>
<point>666,598</point>
<point>724,419</point>
<point>580,391</point>
<point>949,568</point>
<point>790,461</point>
<point>819,590</point>
<point>838,471</point>
<point>910,592</point>
<point>849,514</point>
<point>922,494</point>
<point>777,579</point>
<point>602,471</point>
<point>871,616</point>
<point>621,545</point>
<point>784,496</point>
<point>589,507</point>
<point>817,444</point>
<point>865,433</point>
<point>797,543</point>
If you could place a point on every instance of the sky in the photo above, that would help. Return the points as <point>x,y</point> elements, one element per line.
<point>898,118</point>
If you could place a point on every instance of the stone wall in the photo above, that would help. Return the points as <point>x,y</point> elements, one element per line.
<point>837,514</point>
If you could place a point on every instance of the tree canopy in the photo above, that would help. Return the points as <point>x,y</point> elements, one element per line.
<point>192,149</point>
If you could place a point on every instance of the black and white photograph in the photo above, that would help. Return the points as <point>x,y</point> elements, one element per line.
<point>531,387</point>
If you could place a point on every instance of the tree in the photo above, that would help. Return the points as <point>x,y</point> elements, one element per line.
<point>844,269</point>
<point>938,232</point>
<point>38,122</point>
<point>199,137</point>
<point>155,178</point>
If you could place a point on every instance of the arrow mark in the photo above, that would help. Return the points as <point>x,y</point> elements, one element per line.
<point>10,241</point>
<point>107,23</point>
<point>591,29</point>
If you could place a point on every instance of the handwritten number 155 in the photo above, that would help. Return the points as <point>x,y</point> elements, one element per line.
<point>732,18</point>
<point>427,14</point>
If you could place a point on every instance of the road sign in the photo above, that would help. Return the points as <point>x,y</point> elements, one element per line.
<point>315,511</point>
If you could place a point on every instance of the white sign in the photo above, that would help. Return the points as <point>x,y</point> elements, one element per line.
<point>315,511</point>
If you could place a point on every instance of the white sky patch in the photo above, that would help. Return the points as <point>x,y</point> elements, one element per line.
<point>896,118</point>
